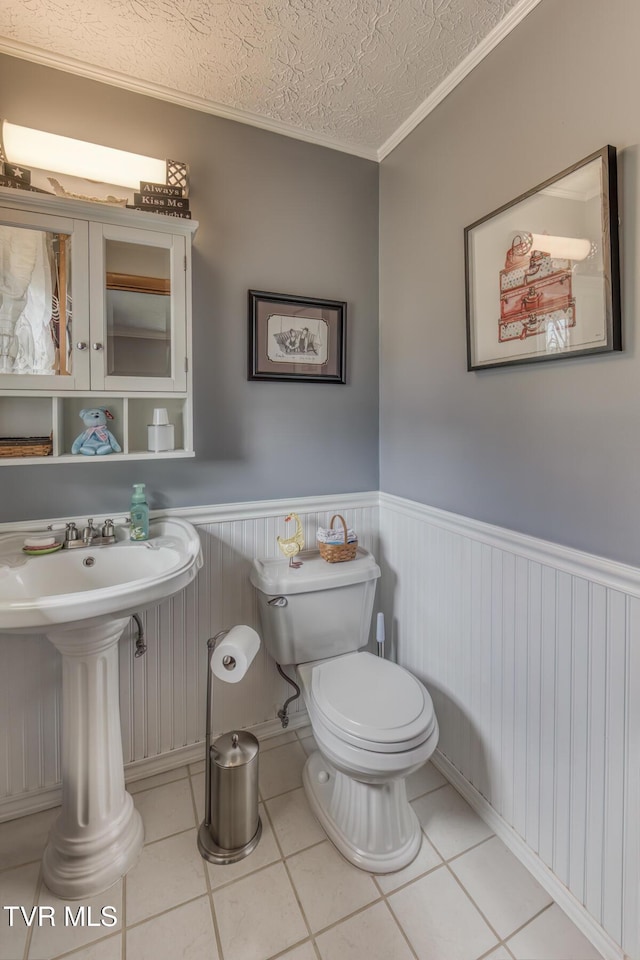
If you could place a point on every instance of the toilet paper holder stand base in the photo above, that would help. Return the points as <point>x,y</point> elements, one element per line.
<point>207,846</point>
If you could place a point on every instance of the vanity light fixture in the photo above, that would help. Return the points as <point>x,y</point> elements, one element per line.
<point>78,158</point>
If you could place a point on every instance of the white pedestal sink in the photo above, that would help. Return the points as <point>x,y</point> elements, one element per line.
<point>83,607</point>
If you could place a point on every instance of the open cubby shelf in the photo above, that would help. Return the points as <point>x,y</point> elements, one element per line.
<point>59,417</point>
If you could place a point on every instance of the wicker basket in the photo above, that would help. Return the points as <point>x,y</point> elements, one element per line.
<point>338,552</point>
<point>26,446</point>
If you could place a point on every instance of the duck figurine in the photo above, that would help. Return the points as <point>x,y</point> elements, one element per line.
<point>291,546</point>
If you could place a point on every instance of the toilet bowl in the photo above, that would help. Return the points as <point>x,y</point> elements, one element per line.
<point>374,724</point>
<point>373,721</point>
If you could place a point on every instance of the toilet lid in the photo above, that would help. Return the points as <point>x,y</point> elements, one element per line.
<point>371,698</point>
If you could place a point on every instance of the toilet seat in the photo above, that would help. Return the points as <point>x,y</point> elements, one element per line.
<point>369,702</point>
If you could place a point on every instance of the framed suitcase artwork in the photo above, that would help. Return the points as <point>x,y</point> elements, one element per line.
<point>552,290</point>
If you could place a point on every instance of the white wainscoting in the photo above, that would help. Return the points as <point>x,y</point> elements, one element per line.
<point>162,695</point>
<point>531,653</point>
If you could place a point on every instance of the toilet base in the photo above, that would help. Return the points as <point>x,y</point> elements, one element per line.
<point>371,824</point>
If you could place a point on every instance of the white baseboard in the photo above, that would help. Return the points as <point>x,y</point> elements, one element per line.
<point>44,799</point>
<point>576,912</point>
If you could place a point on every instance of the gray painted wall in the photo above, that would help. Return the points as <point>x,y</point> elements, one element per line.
<point>275,214</point>
<point>549,449</point>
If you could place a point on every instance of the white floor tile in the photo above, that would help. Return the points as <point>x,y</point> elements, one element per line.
<point>186,933</point>
<point>499,954</point>
<point>165,810</point>
<point>552,936</point>
<point>370,935</point>
<point>270,742</point>
<point>266,852</point>
<point>329,888</point>
<point>305,952</point>
<point>501,887</point>
<point>426,860</point>
<point>109,949</point>
<point>281,769</point>
<point>24,839</point>
<point>440,920</point>
<point>48,942</point>
<point>449,822</point>
<point>147,783</point>
<point>258,916</point>
<point>294,823</point>
<point>17,889</point>
<point>168,873</point>
<point>425,779</point>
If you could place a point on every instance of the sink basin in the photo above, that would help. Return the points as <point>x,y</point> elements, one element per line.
<point>39,592</point>
<point>82,600</point>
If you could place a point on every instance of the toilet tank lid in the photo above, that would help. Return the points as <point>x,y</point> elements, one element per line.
<point>274,576</point>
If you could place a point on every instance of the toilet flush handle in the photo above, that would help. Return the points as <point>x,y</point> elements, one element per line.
<point>278,602</point>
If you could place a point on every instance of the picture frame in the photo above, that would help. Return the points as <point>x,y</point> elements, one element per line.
<point>542,272</point>
<point>296,338</point>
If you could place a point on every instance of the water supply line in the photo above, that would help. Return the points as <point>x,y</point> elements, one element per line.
<point>141,647</point>
<point>283,712</point>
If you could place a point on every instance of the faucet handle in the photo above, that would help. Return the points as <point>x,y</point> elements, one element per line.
<point>89,531</point>
<point>108,529</point>
<point>70,530</point>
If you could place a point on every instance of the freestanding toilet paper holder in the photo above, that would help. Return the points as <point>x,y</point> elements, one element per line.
<point>232,828</point>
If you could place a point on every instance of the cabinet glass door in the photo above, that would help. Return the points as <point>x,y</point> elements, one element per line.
<point>43,303</point>
<point>138,322</point>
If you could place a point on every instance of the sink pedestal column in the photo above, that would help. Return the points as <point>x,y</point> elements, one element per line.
<point>98,835</point>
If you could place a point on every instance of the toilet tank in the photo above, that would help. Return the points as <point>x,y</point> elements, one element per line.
<point>318,610</point>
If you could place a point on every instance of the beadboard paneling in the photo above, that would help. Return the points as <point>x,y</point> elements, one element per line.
<point>162,695</point>
<point>531,654</point>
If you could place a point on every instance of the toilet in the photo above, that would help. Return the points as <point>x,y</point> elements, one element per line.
<point>373,721</point>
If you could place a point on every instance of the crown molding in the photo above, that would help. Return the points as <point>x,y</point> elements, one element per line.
<point>24,51</point>
<point>515,16</point>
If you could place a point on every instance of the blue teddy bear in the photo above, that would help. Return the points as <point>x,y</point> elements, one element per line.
<point>96,440</point>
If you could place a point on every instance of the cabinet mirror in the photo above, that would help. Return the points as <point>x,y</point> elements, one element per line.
<point>138,310</point>
<point>35,301</point>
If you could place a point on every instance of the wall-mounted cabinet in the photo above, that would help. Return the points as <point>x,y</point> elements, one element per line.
<point>95,310</point>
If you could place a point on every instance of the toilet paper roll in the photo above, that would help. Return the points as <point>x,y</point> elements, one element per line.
<point>233,656</point>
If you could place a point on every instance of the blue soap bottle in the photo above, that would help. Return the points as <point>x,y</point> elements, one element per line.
<point>139,513</point>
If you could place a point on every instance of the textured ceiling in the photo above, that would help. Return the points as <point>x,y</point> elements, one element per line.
<point>348,71</point>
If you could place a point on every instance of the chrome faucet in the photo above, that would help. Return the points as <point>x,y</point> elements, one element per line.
<point>91,535</point>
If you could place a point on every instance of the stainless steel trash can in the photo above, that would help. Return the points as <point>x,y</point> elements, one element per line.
<point>231,827</point>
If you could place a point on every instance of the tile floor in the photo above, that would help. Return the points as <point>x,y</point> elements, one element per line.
<point>465,897</point>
